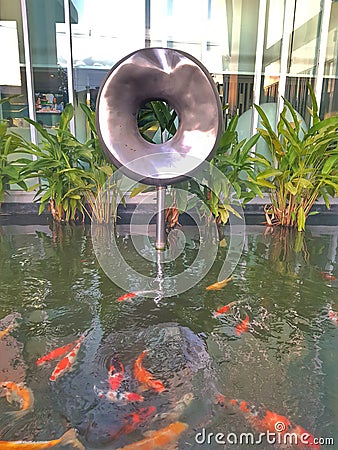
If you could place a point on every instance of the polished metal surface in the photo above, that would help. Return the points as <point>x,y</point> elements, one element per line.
<point>159,74</point>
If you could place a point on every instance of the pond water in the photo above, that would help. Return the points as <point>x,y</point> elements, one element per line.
<point>54,290</point>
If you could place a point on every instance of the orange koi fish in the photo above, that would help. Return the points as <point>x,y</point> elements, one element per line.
<point>116,374</point>
<point>69,438</point>
<point>66,363</point>
<point>143,376</point>
<point>263,420</point>
<point>11,323</point>
<point>135,419</point>
<point>158,439</point>
<point>126,296</point>
<point>118,396</point>
<point>219,285</point>
<point>19,394</point>
<point>56,353</point>
<point>224,309</point>
<point>6,331</point>
<point>328,276</point>
<point>242,326</point>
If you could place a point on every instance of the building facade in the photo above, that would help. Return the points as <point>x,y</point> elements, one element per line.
<point>258,51</point>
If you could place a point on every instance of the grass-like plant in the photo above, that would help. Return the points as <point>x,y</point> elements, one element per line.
<point>69,172</point>
<point>303,165</point>
<point>100,200</point>
<point>235,161</point>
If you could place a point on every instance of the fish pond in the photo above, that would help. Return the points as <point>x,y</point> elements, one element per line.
<point>276,345</point>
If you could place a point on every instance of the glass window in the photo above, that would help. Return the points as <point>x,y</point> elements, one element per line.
<point>303,54</point>
<point>222,34</point>
<point>240,21</point>
<point>50,77</point>
<point>13,74</point>
<point>272,52</point>
<point>103,32</point>
<point>12,71</point>
<point>329,104</point>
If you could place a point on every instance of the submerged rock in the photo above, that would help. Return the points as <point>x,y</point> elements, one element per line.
<point>13,367</point>
<point>175,355</point>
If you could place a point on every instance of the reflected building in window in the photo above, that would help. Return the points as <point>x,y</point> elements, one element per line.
<point>258,51</point>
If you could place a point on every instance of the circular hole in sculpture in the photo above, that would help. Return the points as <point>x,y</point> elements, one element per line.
<point>157,121</point>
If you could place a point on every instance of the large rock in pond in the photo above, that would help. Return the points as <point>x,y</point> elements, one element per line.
<point>175,355</point>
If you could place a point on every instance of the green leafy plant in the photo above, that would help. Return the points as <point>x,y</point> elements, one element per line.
<point>156,121</point>
<point>10,169</point>
<point>64,167</point>
<point>101,198</point>
<point>233,159</point>
<point>303,167</point>
<point>236,161</point>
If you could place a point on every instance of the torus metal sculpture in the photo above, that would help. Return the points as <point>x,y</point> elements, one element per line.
<point>184,83</point>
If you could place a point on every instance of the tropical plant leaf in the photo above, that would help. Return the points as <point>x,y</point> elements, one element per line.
<point>138,189</point>
<point>330,163</point>
<point>314,110</point>
<point>90,117</point>
<point>263,183</point>
<point>294,115</point>
<point>290,187</point>
<point>324,125</point>
<point>224,214</point>
<point>66,117</point>
<point>268,173</point>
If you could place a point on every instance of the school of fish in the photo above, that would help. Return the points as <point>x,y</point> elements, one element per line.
<point>259,417</point>
<point>263,420</point>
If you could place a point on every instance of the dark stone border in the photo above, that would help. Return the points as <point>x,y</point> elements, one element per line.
<point>27,214</point>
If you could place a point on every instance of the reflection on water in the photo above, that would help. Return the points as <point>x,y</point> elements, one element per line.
<point>287,360</point>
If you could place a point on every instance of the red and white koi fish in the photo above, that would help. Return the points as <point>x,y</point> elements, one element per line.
<point>143,376</point>
<point>242,326</point>
<point>224,309</point>
<point>20,394</point>
<point>118,396</point>
<point>66,363</point>
<point>57,353</point>
<point>69,438</point>
<point>333,316</point>
<point>219,285</point>
<point>116,374</point>
<point>263,420</point>
<point>328,276</point>
<point>159,439</point>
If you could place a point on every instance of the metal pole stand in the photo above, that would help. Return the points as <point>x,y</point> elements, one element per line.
<point>160,219</point>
